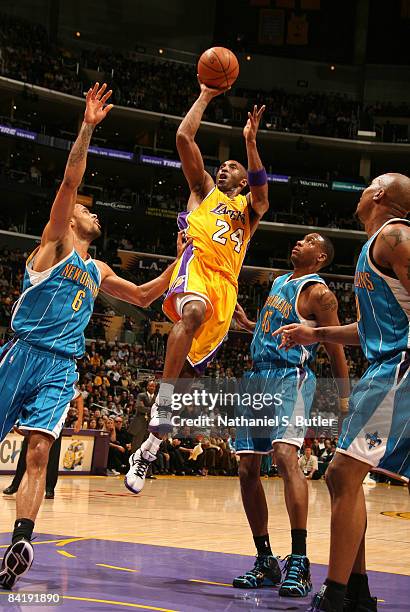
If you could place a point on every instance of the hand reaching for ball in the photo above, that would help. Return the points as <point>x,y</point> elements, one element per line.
<point>251,128</point>
<point>211,92</point>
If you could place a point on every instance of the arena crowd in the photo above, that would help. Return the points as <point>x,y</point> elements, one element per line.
<point>27,54</point>
<point>114,376</point>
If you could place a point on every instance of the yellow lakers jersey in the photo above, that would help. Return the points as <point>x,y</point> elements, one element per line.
<point>220,231</point>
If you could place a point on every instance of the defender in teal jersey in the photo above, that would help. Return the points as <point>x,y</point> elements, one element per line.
<point>300,296</point>
<point>376,434</point>
<point>38,368</point>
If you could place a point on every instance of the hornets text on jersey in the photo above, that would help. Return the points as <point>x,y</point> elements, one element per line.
<point>281,309</point>
<point>220,230</point>
<point>383,306</point>
<point>56,305</point>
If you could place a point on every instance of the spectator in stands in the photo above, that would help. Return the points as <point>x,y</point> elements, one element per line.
<point>176,457</point>
<point>92,423</point>
<point>118,453</point>
<point>138,427</point>
<point>308,463</point>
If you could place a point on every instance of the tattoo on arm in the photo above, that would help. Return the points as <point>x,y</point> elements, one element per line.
<point>79,151</point>
<point>327,301</point>
<point>395,237</point>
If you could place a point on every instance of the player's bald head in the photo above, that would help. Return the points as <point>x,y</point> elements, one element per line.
<point>396,188</point>
<point>387,195</point>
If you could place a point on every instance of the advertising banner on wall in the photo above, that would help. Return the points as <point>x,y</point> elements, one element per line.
<point>10,450</point>
<point>76,453</point>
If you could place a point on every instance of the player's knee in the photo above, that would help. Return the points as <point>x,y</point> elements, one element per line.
<point>338,478</point>
<point>286,458</point>
<point>193,315</point>
<point>248,472</point>
<point>37,454</point>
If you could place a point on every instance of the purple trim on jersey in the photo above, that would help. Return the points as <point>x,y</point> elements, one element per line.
<point>186,258</point>
<point>302,376</point>
<point>404,366</point>
<point>182,220</point>
<point>201,367</point>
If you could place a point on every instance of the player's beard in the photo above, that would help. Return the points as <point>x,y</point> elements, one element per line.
<point>94,234</point>
<point>90,234</point>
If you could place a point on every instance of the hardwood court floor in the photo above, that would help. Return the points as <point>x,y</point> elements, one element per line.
<point>206,514</point>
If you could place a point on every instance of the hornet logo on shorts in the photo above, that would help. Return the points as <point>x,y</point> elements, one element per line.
<point>373,440</point>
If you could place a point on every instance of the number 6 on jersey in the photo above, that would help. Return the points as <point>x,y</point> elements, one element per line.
<point>78,300</point>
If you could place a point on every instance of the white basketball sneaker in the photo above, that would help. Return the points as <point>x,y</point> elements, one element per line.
<point>16,562</point>
<point>139,463</point>
<point>160,422</point>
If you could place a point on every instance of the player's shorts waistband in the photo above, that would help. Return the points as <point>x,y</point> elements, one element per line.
<point>262,366</point>
<point>26,346</point>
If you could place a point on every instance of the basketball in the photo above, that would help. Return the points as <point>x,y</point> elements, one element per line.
<point>218,68</point>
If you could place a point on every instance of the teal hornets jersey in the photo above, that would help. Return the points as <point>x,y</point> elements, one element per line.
<point>56,305</point>
<point>383,306</point>
<point>281,308</point>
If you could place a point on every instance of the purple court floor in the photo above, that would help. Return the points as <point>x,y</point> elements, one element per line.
<point>94,574</point>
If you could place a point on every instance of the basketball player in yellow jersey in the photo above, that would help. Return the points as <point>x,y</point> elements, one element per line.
<point>203,289</point>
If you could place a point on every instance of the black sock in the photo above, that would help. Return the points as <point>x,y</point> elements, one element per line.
<point>358,587</point>
<point>23,528</point>
<point>335,594</point>
<point>262,545</point>
<point>298,541</point>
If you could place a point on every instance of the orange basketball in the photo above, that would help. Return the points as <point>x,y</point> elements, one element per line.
<point>218,67</point>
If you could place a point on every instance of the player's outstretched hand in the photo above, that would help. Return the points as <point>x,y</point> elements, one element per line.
<point>211,92</point>
<point>294,335</point>
<point>182,242</point>
<point>251,128</point>
<point>96,109</point>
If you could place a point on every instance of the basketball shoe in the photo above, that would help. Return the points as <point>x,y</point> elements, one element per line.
<point>16,562</point>
<point>139,463</point>
<point>320,603</point>
<point>265,572</point>
<point>160,422</point>
<point>297,582</point>
<point>367,604</point>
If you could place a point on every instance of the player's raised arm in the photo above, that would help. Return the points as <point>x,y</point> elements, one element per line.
<point>257,179</point>
<point>140,295</point>
<point>199,180</point>
<point>63,206</point>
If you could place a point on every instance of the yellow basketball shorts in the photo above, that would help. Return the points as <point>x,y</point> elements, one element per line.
<point>194,277</point>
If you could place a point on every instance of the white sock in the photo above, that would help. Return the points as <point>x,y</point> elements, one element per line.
<point>150,447</point>
<point>165,393</point>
